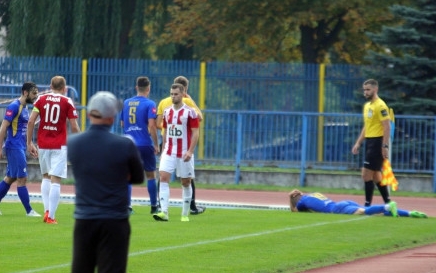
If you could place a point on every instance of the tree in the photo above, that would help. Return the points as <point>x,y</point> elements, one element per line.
<point>312,31</point>
<point>4,13</point>
<point>405,65</point>
<point>280,31</point>
<point>80,28</point>
<point>86,28</point>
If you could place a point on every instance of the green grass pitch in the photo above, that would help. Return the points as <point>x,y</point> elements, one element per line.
<point>220,240</point>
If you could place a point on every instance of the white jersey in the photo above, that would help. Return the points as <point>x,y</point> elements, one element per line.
<point>178,125</point>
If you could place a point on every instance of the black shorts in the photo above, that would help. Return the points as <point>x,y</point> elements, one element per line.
<point>101,243</point>
<point>373,153</point>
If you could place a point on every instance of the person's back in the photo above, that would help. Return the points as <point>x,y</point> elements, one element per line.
<point>137,127</point>
<point>103,166</point>
<point>316,202</point>
<point>138,119</point>
<point>54,110</point>
<point>101,179</point>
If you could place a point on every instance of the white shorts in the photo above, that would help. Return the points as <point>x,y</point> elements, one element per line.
<point>171,163</point>
<point>53,161</point>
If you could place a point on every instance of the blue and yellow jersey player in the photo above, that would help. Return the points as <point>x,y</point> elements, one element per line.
<point>138,119</point>
<point>317,202</point>
<point>14,128</point>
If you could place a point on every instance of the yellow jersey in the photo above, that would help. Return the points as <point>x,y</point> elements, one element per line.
<point>167,102</point>
<point>373,115</point>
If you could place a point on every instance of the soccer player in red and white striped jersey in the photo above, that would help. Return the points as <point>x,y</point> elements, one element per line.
<point>54,109</point>
<point>181,126</point>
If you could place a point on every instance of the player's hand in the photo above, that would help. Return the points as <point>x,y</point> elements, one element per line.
<point>187,157</point>
<point>355,149</point>
<point>32,150</point>
<point>385,152</point>
<point>156,149</point>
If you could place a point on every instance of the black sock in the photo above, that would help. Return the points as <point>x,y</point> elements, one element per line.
<point>369,192</point>
<point>384,191</point>
<point>193,205</point>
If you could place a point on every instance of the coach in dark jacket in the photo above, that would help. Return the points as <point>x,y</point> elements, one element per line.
<point>103,165</point>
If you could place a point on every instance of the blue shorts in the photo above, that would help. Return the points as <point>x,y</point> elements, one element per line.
<point>148,158</point>
<point>345,207</point>
<point>17,163</point>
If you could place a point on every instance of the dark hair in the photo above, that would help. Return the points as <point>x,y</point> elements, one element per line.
<point>29,87</point>
<point>142,82</point>
<point>178,86</point>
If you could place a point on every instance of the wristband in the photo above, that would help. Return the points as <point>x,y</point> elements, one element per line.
<point>385,146</point>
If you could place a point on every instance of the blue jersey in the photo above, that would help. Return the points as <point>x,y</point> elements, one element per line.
<point>315,202</point>
<point>135,115</point>
<point>18,115</point>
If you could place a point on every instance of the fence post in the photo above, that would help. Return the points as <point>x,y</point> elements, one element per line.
<point>434,159</point>
<point>84,99</point>
<point>238,148</point>
<point>202,102</point>
<point>303,151</point>
<point>321,95</point>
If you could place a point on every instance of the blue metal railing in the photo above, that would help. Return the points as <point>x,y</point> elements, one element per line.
<point>305,140</point>
<point>11,91</point>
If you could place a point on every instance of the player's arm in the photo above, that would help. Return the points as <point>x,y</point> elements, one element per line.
<point>193,123</point>
<point>164,133</point>
<point>74,125</point>
<point>386,131</point>
<point>198,111</point>
<point>195,132</point>
<point>386,135</point>
<point>30,128</point>
<point>159,116</point>
<point>136,174</point>
<point>191,103</point>
<point>3,129</point>
<point>159,120</point>
<point>122,118</point>
<point>152,129</point>
<point>355,149</point>
<point>164,138</point>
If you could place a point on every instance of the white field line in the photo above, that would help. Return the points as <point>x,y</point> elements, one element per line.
<point>207,242</point>
<point>174,202</point>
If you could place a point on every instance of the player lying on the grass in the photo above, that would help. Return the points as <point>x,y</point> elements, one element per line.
<point>317,202</point>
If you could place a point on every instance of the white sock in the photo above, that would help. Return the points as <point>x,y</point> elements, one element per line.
<point>186,197</point>
<point>164,194</point>
<point>55,194</point>
<point>45,192</point>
